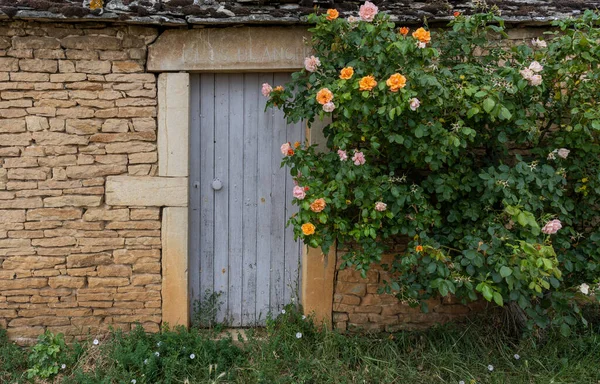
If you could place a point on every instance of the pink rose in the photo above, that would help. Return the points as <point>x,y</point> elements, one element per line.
<point>266,89</point>
<point>285,148</point>
<point>352,20</point>
<point>368,11</point>
<point>328,107</point>
<point>536,67</point>
<point>535,80</point>
<point>552,227</point>
<point>563,152</point>
<point>312,63</point>
<point>299,192</point>
<point>343,155</point>
<point>414,103</point>
<point>380,206</point>
<point>537,43</point>
<point>358,158</point>
<point>526,73</point>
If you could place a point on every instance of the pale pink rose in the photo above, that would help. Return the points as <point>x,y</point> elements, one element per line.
<point>380,206</point>
<point>535,80</point>
<point>536,67</point>
<point>285,148</point>
<point>421,45</point>
<point>552,227</point>
<point>537,43</point>
<point>358,158</point>
<point>329,107</point>
<point>353,20</point>
<point>266,89</point>
<point>299,192</point>
<point>368,11</point>
<point>312,63</point>
<point>563,152</point>
<point>526,73</point>
<point>343,155</point>
<point>414,103</point>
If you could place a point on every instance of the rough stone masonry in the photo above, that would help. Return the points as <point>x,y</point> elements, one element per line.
<point>75,107</point>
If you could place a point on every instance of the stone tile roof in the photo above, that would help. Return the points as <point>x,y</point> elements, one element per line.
<point>185,12</point>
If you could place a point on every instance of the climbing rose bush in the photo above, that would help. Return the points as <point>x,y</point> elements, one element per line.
<point>482,155</point>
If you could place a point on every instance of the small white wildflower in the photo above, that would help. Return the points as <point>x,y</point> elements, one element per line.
<point>63,366</point>
<point>159,344</point>
<point>461,382</point>
<point>192,356</point>
<point>133,381</point>
<point>157,354</point>
<point>146,361</point>
<point>490,367</point>
<point>516,356</point>
<point>298,335</point>
<point>303,317</point>
<point>96,342</point>
<point>283,311</point>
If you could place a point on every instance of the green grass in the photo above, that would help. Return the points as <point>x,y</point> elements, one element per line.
<point>445,354</point>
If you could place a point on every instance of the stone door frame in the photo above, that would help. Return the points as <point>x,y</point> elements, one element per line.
<point>173,56</point>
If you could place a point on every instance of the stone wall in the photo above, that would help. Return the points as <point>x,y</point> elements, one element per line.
<point>357,305</point>
<point>75,107</point>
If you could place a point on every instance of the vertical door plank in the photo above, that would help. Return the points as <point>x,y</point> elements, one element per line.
<point>194,215</point>
<point>251,111</point>
<point>278,197</point>
<point>292,247</point>
<point>206,174</point>
<point>236,192</point>
<point>263,212</point>
<point>221,229</point>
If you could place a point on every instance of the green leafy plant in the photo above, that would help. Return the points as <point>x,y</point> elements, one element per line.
<point>12,359</point>
<point>206,311</point>
<point>46,356</point>
<point>482,154</point>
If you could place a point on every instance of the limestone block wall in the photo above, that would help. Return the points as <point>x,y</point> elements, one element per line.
<point>75,107</point>
<point>358,307</point>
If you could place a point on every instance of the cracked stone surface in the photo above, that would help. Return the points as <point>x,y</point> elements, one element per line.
<point>207,12</point>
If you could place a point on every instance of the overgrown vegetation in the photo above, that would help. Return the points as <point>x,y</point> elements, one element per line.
<point>483,153</point>
<point>292,350</point>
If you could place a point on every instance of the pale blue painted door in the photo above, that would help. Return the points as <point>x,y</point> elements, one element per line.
<point>240,198</point>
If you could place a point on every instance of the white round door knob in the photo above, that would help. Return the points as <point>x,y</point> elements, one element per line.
<point>217,184</point>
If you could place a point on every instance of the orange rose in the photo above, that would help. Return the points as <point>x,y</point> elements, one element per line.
<point>396,82</point>
<point>404,31</point>
<point>456,13</point>
<point>278,88</point>
<point>332,14</point>
<point>346,73</point>
<point>419,248</point>
<point>296,144</point>
<point>367,83</point>
<point>308,229</point>
<point>318,205</point>
<point>422,35</point>
<point>324,96</point>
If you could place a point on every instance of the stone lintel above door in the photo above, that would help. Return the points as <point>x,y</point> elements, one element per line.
<point>243,49</point>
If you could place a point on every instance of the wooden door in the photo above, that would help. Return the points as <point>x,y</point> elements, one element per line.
<point>240,245</point>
